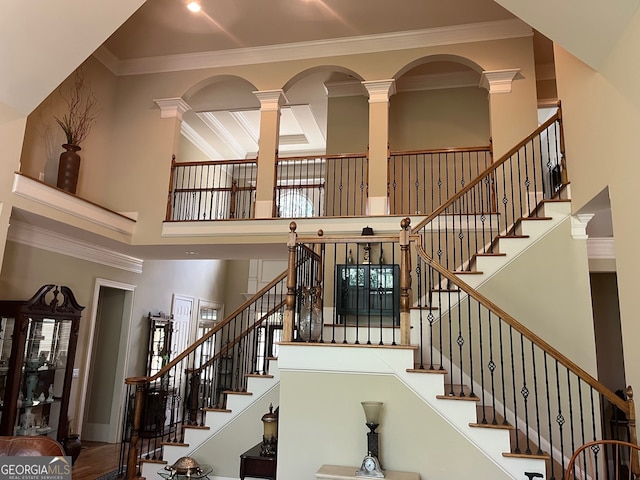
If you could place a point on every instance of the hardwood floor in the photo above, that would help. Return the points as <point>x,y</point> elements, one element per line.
<point>95,460</point>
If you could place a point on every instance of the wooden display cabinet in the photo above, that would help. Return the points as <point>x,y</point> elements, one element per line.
<point>38,339</point>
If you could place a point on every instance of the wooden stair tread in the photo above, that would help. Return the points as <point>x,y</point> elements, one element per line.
<point>174,444</point>
<point>543,456</point>
<point>460,392</point>
<point>257,375</point>
<point>153,460</point>
<point>197,427</point>
<point>417,369</point>
<point>499,426</point>
<point>512,236</point>
<point>424,307</point>
<point>522,219</point>
<point>214,409</point>
<point>233,392</point>
<point>469,398</point>
<point>472,272</point>
<point>490,254</point>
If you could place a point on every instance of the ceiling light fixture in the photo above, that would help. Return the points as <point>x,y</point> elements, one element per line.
<point>194,7</point>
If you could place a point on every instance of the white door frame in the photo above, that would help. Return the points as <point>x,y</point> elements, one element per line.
<point>118,404</point>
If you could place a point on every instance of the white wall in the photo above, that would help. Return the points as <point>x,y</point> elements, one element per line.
<point>322,422</point>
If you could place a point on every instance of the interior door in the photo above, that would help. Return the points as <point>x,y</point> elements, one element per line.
<point>182,311</point>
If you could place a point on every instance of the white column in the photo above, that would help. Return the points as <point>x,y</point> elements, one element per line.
<point>379,93</point>
<point>270,103</point>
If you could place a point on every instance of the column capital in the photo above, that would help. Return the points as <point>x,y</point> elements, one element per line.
<point>498,81</point>
<point>271,100</point>
<point>579,224</point>
<point>380,90</point>
<point>172,107</point>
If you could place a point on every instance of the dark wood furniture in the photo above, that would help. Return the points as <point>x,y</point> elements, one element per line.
<point>38,339</point>
<point>160,328</point>
<point>253,465</point>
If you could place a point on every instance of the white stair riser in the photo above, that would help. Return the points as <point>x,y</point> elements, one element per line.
<point>216,420</point>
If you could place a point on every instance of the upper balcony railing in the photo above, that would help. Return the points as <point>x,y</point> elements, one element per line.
<point>211,190</point>
<point>321,186</point>
<point>422,180</point>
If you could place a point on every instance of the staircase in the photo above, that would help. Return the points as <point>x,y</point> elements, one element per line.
<point>233,428</point>
<point>444,392</point>
<point>460,377</point>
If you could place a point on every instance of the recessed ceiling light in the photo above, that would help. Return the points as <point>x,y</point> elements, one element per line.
<point>194,7</point>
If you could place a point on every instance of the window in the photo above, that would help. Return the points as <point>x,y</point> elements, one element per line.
<point>294,204</point>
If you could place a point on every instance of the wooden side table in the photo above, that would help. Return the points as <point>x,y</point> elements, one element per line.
<point>253,465</point>
<point>335,472</point>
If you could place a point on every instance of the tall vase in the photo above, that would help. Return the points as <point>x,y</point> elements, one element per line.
<point>310,326</point>
<point>72,446</point>
<point>69,168</point>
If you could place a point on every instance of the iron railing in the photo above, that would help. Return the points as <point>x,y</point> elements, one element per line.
<point>213,190</point>
<point>199,379</point>
<point>321,186</point>
<point>420,181</point>
<point>490,206</point>
<point>519,381</point>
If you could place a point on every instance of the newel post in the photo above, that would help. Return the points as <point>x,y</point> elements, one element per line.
<point>132,459</point>
<point>169,212</point>
<point>405,283</point>
<point>635,464</point>
<point>289,312</point>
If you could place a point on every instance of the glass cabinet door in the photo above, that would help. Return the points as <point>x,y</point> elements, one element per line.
<point>42,383</point>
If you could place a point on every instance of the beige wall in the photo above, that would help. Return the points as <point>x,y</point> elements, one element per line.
<point>44,137</point>
<point>454,117</point>
<point>553,297</point>
<point>602,120</point>
<point>322,422</point>
<point>130,149</point>
<point>25,269</point>
<point>347,125</point>
<point>235,284</point>
<point>245,431</point>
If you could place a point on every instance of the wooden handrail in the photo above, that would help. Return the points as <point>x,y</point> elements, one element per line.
<point>481,176</point>
<point>216,328</point>
<point>520,328</point>
<point>197,163</point>
<point>322,157</point>
<point>229,345</point>
<point>483,148</point>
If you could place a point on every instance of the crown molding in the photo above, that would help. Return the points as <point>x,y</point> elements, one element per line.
<point>451,35</point>
<point>209,119</point>
<point>194,137</point>
<point>271,100</point>
<point>498,81</point>
<point>380,90</point>
<point>172,107</point>
<point>51,241</point>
